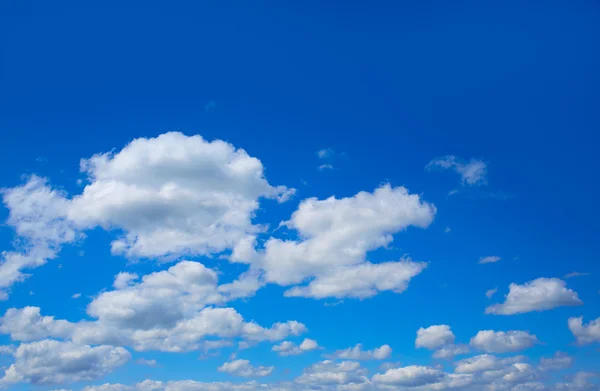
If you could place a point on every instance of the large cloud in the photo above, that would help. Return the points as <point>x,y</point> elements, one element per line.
<point>503,341</point>
<point>538,295</point>
<point>585,333</point>
<point>335,236</point>
<point>173,195</point>
<point>50,361</point>
<point>169,310</point>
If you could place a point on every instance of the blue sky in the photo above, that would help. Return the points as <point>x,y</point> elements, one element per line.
<point>241,193</point>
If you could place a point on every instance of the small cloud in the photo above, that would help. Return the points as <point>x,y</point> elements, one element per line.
<point>79,182</point>
<point>447,230</point>
<point>325,167</point>
<point>142,361</point>
<point>76,296</point>
<point>325,153</point>
<point>59,266</point>
<point>210,106</point>
<point>81,253</point>
<point>472,173</point>
<point>333,304</point>
<point>489,259</point>
<point>31,293</point>
<point>491,292</point>
<point>576,274</point>
<point>452,192</point>
<point>41,159</point>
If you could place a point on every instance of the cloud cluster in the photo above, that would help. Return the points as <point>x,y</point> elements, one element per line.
<point>357,353</point>
<point>288,348</point>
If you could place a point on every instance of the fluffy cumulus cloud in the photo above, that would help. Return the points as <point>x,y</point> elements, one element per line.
<point>434,337</point>
<point>538,295</point>
<point>244,368</point>
<point>472,173</point>
<point>288,348</point>
<point>38,214</point>
<point>357,353</point>
<point>503,341</point>
<point>585,333</point>
<point>50,361</point>
<point>170,310</point>
<point>173,195</point>
<point>335,236</point>
<point>328,373</point>
<point>411,376</point>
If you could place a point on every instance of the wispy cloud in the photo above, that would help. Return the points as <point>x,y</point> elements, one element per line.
<point>491,292</point>
<point>489,259</point>
<point>325,153</point>
<point>325,167</point>
<point>472,173</point>
<point>576,274</point>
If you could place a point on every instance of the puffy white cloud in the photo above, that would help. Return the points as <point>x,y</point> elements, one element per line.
<point>169,310</point>
<point>356,353</point>
<point>489,259</point>
<point>483,362</point>
<point>585,333</point>
<point>558,361</point>
<point>51,361</point>
<point>244,368</point>
<point>173,195</point>
<point>472,173</point>
<point>37,213</point>
<point>361,281</point>
<point>503,341</point>
<point>288,348</point>
<point>538,295</point>
<point>123,279</point>
<point>336,235</point>
<point>410,376</point>
<point>450,351</point>
<point>434,337</point>
<point>26,324</point>
<point>327,373</point>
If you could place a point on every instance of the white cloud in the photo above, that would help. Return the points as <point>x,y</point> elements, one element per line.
<point>580,381</point>
<point>361,281</point>
<point>449,351</point>
<point>538,295</point>
<point>288,348</point>
<point>491,292</point>
<point>173,195</point>
<point>356,353</point>
<point>76,296</point>
<point>244,368</point>
<point>410,376</point>
<point>576,274</point>
<point>472,173</point>
<point>323,167</point>
<point>557,362</point>
<point>489,259</point>
<point>37,213</point>
<point>327,373</point>
<point>49,362</point>
<point>434,337</point>
<point>107,387</point>
<point>27,324</point>
<point>585,333</point>
<point>325,153</point>
<point>483,362</point>
<point>124,279</point>
<point>335,237</point>
<point>503,341</point>
<point>165,310</point>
